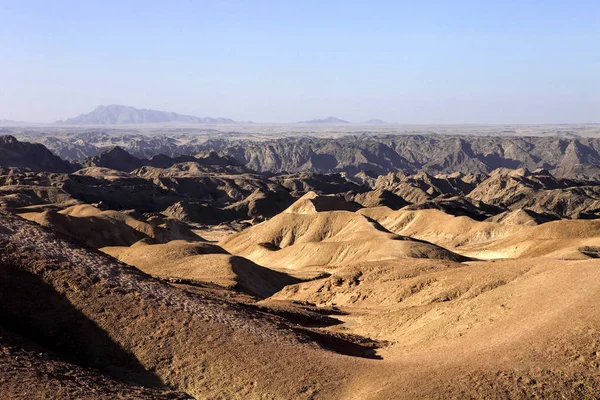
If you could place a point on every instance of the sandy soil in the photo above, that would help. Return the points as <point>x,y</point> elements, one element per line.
<point>381,306</point>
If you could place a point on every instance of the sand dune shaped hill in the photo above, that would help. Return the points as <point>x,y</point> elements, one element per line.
<point>437,226</point>
<point>97,228</point>
<point>202,262</point>
<point>521,216</point>
<point>558,239</point>
<point>311,203</point>
<point>566,239</point>
<point>293,240</point>
<point>380,197</point>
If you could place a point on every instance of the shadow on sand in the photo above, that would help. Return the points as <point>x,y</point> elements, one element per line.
<point>33,309</point>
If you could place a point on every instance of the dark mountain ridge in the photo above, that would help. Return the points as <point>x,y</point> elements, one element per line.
<point>434,154</point>
<point>119,159</point>
<point>34,156</point>
<point>212,188</point>
<point>352,155</point>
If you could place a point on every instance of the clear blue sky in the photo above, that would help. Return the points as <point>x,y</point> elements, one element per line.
<point>282,61</point>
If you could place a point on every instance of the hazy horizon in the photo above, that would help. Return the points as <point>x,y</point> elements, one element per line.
<point>430,63</point>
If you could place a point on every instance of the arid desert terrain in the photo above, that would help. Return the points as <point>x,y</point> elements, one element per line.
<point>331,264</point>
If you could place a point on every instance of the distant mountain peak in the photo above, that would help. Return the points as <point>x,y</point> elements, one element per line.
<point>115,114</point>
<point>374,122</point>
<point>327,120</point>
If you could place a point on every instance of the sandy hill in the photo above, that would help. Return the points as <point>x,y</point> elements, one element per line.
<point>563,239</point>
<point>503,239</point>
<point>522,216</point>
<point>97,228</point>
<point>370,284</point>
<point>103,173</point>
<point>303,237</point>
<point>380,197</point>
<point>312,203</point>
<point>182,261</point>
<point>91,310</point>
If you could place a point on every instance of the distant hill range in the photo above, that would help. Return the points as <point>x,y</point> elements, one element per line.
<point>373,122</point>
<point>328,120</point>
<point>335,120</point>
<point>8,122</point>
<point>121,115</point>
